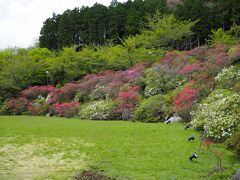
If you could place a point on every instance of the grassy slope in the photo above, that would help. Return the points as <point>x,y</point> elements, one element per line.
<point>39,146</point>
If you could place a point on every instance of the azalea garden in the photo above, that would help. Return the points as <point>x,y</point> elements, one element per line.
<point>129,90</point>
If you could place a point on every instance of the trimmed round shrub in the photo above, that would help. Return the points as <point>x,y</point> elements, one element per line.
<point>218,114</point>
<point>98,110</point>
<point>153,109</point>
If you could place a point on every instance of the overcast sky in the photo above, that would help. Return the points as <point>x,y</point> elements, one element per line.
<point>21,20</point>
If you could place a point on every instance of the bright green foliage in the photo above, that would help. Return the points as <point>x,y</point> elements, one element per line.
<point>99,110</point>
<point>164,31</point>
<point>221,37</point>
<point>218,114</point>
<point>153,109</point>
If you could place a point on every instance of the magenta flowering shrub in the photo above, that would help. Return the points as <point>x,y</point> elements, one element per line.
<point>67,110</point>
<point>15,106</point>
<point>35,91</point>
<point>92,80</point>
<point>66,93</point>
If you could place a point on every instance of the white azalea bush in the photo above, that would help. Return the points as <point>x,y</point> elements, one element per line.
<point>98,110</point>
<point>228,78</point>
<point>218,114</point>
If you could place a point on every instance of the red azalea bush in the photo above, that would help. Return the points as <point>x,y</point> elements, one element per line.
<point>127,101</point>
<point>67,109</point>
<point>184,101</point>
<point>15,106</point>
<point>35,91</point>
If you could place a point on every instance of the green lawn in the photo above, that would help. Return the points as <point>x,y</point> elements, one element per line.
<point>57,148</point>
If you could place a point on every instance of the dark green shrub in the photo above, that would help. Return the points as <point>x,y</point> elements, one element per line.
<point>233,142</point>
<point>154,109</point>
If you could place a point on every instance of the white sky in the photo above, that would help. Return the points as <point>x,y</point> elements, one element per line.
<point>21,20</point>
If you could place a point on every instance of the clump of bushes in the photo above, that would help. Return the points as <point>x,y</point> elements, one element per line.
<point>99,110</point>
<point>218,114</point>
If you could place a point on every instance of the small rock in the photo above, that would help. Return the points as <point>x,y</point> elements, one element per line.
<point>237,175</point>
<point>174,118</point>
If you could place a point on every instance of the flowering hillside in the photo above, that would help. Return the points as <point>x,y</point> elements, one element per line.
<point>177,83</point>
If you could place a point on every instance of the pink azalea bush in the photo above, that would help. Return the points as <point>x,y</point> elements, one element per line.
<point>67,110</point>
<point>35,91</point>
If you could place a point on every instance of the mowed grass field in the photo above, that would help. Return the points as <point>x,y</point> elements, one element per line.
<point>59,148</point>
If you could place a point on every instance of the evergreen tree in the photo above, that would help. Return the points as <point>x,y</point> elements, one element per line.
<point>49,33</point>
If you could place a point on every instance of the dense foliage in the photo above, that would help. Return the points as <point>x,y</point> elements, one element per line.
<point>100,24</point>
<point>218,114</point>
<point>97,24</point>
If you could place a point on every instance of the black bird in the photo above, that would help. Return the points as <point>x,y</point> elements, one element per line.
<point>187,126</point>
<point>192,138</point>
<point>168,122</point>
<point>193,156</point>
